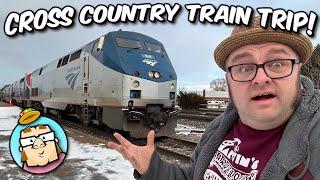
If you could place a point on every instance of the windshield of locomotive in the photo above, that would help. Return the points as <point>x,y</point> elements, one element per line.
<point>154,48</point>
<point>129,43</point>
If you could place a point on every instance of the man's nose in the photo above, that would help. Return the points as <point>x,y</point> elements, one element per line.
<point>261,77</point>
<point>38,144</point>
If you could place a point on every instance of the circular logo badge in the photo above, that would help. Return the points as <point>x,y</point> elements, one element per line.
<point>38,144</point>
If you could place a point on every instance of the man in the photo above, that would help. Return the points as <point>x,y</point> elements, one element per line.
<point>40,150</point>
<point>270,130</point>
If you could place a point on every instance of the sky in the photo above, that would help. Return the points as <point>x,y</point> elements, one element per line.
<point>190,46</point>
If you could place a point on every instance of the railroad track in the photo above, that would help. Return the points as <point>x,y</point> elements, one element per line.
<point>196,116</point>
<point>177,148</point>
<point>201,114</point>
<point>172,148</point>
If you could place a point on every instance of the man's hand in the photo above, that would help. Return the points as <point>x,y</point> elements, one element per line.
<point>139,156</point>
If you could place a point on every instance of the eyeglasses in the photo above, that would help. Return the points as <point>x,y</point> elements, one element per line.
<point>275,69</point>
<point>30,140</point>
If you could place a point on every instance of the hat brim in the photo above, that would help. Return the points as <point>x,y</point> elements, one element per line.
<point>299,43</point>
<point>29,117</point>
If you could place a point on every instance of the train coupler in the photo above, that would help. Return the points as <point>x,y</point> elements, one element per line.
<point>133,115</point>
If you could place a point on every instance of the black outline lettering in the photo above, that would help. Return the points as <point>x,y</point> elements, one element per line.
<point>39,20</point>
<point>13,24</point>
<point>175,14</point>
<point>196,13</point>
<point>86,16</point>
<point>239,20</point>
<point>208,13</point>
<point>68,19</point>
<point>146,10</point>
<point>114,15</point>
<point>203,8</point>
<point>221,12</point>
<point>53,16</point>
<point>276,22</point>
<point>290,15</point>
<point>100,14</point>
<point>264,18</point>
<point>25,20</point>
<point>312,24</point>
<point>292,21</point>
<point>129,13</point>
<point>154,12</point>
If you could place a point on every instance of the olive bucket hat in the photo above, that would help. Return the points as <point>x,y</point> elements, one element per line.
<point>254,33</point>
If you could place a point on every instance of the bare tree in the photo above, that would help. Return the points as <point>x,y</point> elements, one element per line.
<point>312,68</point>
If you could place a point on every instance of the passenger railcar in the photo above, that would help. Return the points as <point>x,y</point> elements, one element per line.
<point>122,79</point>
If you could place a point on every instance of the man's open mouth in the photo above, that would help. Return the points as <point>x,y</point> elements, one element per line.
<point>263,97</point>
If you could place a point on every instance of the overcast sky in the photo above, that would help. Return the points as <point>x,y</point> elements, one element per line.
<point>189,46</point>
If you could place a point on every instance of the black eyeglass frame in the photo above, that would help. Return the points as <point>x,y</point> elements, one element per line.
<point>293,61</point>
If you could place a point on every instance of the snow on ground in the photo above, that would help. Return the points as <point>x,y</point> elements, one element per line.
<point>87,161</point>
<point>103,160</point>
<point>8,119</point>
<point>184,129</point>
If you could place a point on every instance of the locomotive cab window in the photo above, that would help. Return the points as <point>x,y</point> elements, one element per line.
<point>98,44</point>
<point>154,48</point>
<point>129,43</point>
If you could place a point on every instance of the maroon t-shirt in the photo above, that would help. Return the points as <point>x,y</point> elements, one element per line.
<point>244,153</point>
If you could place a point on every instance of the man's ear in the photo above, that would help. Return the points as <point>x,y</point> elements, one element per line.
<point>20,148</point>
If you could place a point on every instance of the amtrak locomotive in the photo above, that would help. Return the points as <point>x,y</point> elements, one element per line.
<point>124,80</point>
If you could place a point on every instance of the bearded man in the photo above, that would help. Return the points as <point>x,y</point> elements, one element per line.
<point>270,130</point>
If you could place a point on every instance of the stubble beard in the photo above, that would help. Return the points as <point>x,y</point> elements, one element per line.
<point>294,105</point>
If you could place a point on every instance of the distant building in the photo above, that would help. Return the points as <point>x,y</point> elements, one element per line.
<point>214,95</point>
<point>219,84</point>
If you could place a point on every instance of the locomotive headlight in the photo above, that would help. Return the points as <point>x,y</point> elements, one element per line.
<point>150,73</point>
<point>136,84</point>
<point>172,86</point>
<point>156,75</point>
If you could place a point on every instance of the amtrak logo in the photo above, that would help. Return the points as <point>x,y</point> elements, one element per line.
<point>71,79</point>
<point>150,62</point>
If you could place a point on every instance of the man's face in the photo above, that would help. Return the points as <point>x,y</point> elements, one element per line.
<point>264,103</point>
<point>38,145</point>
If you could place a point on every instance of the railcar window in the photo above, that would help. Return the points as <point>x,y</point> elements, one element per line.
<point>59,63</point>
<point>34,91</point>
<point>75,55</point>
<point>154,48</point>
<point>129,43</point>
<point>65,60</point>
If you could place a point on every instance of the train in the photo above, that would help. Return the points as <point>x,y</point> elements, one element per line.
<point>124,80</point>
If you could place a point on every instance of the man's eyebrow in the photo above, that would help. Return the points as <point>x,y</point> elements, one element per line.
<point>26,130</point>
<point>278,51</point>
<point>241,55</point>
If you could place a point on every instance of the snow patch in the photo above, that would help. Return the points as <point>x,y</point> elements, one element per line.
<point>8,119</point>
<point>185,130</point>
<point>105,161</point>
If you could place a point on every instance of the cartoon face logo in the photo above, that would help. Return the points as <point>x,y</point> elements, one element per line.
<point>38,144</point>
